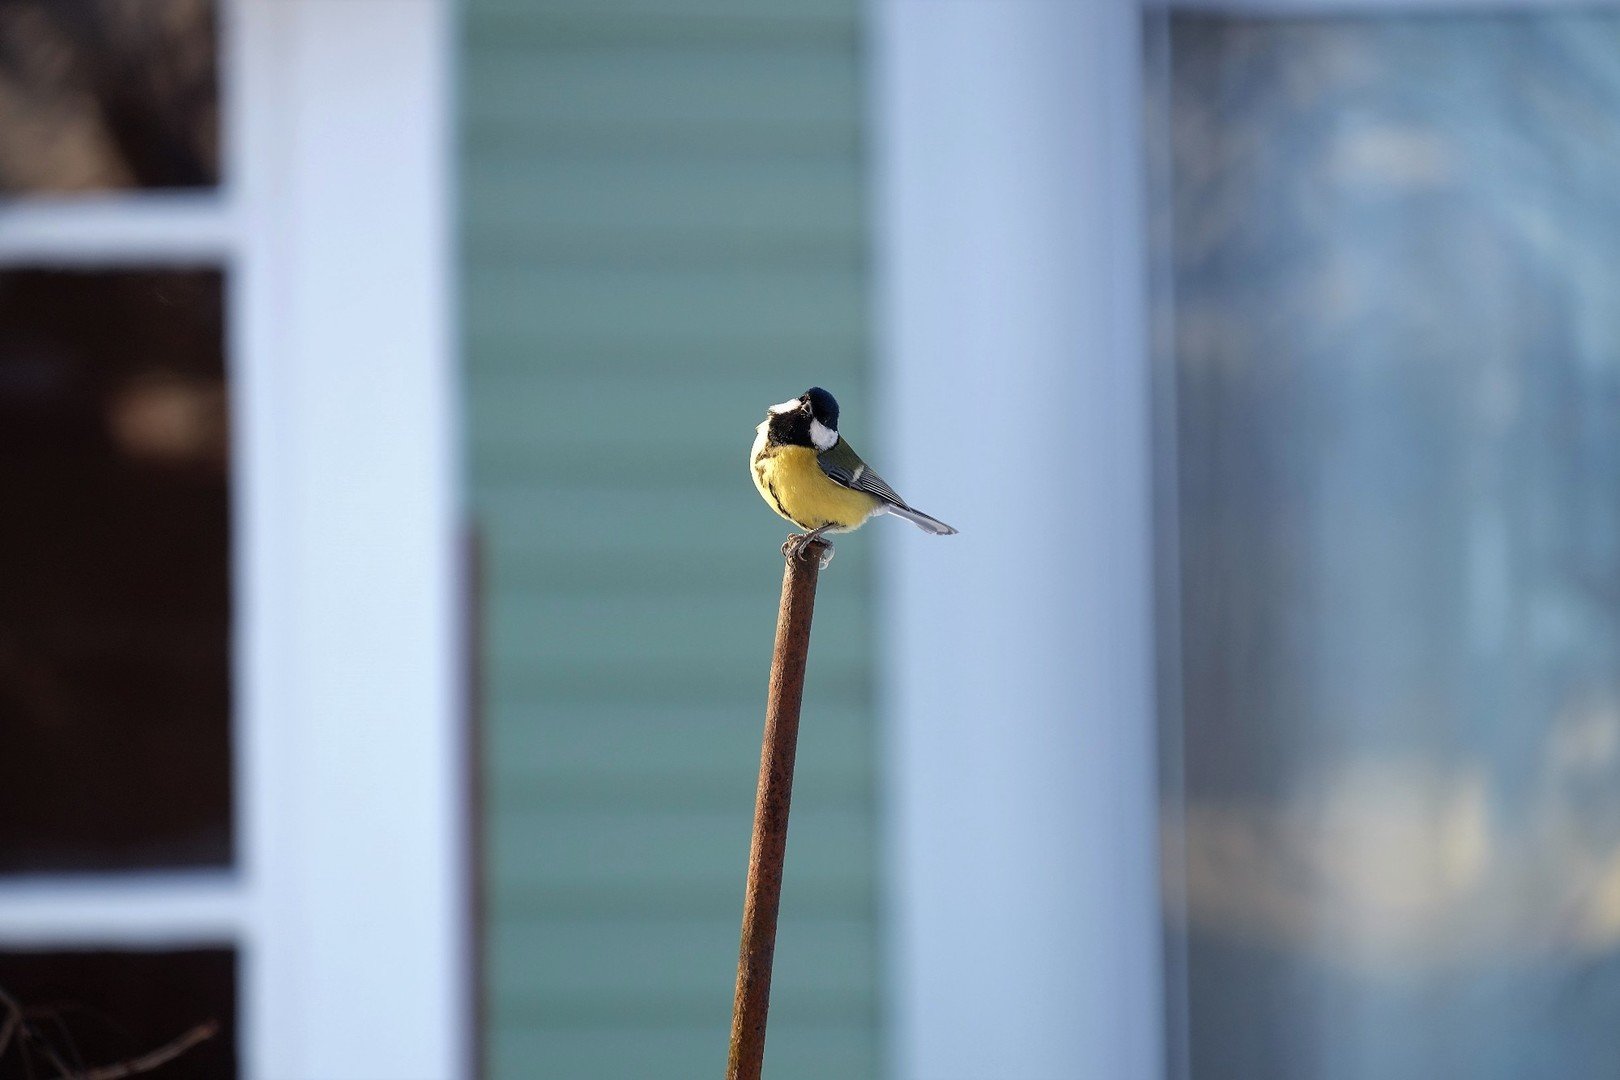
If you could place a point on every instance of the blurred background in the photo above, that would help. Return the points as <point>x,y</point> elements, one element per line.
<point>387,614</point>
<point>1397,363</point>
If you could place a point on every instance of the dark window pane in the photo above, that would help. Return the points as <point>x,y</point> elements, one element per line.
<point>106,94</point>
<point>114,549</point>
<point>100,1008</point>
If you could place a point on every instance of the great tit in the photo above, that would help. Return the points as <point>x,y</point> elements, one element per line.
<point>808,474</point>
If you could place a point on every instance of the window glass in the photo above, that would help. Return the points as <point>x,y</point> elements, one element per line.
<point>108,94</point>
<point>1395,291</point>
<point>99,1008</point>
<point>114,544</point>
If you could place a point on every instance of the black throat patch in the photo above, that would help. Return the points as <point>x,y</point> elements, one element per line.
<point>789,429</point>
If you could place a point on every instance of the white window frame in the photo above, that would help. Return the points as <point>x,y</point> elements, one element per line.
<point>348,901</point>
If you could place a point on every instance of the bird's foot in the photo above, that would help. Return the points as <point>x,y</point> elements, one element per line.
<point>795,545</point>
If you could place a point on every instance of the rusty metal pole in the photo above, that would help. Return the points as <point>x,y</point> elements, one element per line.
<point>763,893</point>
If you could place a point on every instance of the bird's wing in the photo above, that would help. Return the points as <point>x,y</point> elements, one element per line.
<point>844,466</point>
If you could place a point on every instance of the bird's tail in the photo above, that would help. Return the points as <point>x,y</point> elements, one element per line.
<point>930,525</point>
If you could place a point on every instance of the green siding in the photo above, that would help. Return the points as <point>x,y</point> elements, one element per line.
<point>662,232</point>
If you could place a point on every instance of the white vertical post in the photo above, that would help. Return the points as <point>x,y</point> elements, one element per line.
<point>1021,765</point>
<point>352,760</point>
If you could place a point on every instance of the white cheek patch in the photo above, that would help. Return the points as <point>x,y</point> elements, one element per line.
<point>785,407</point>
<point>824,437</point>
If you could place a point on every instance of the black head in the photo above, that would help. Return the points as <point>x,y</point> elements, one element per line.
<point>823,407</point>
<point>811,419</point>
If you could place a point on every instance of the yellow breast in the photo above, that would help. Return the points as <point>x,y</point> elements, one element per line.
<point>791,481</point>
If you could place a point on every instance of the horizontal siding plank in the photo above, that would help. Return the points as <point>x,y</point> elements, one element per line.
<point>636,85</point>
<point>553,32</point>
<point>631,305</point>
<point>595,200</point>
<point>741,565</point>
<point>580,456</point>
<point>629,1050</point>
<point>631,960</point>
<point>511,345</point>
<point>603,683</point>
<point>787,141</point>
<point>674,250</point>
<point>506,31</point>
<point>727,781</point>
<point>816,1009</point>
<point>792,12</point>
<point>546,754</point>
<point>565,469</point>
<point>641,850</point>
<point>494,24</point>
<point>557,572</point>
<point>675,793</point>
<point>705,633</point>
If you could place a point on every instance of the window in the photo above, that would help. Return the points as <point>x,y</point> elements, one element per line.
<point>1393,259</point>
<point>222,318</point>
<point>117,800</point>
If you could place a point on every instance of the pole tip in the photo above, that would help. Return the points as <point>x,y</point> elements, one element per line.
<point>817,552</point>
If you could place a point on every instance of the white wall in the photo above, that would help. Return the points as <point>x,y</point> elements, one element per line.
<point>1023,898</point>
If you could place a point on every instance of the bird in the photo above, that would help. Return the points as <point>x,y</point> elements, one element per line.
<point>810,475</point>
